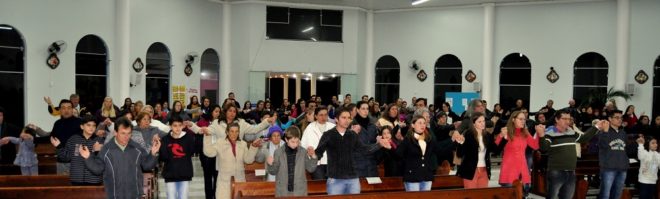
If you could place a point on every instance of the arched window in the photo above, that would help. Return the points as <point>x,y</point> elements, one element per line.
<point>448,70</point>
<point>515,80</point>
<point>589,77</point>
<point>210,74</point>
<point>387,79</point>
<point>656,87</point>
<point>158,73</point>
<point>12,75</point>
<point>91,71</point>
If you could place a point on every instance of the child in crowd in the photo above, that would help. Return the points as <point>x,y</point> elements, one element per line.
<point>78,174</point>
<point>176,152</point>
<point>289,165</point>
<point>649,158</point>
<point>26,157</point>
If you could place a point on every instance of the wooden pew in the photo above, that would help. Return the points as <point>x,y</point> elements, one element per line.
<point>514,192</point>
<point>78,192</point>
<point>34,181</point>
<point>316,187</point>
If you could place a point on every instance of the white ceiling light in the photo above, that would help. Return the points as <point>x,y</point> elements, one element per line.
<point>417,2</point>
<point>203,74</point>
<point>308,29</point>
<point>313,39</point>
<point>6,28</point>
<point>321,77</point>
<point>294,76</point>
<point>333,75</point>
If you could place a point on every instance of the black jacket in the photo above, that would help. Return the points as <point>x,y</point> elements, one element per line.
<point>418,167</point>
<point>177,156</point>
<point>469,151</point>
<point>340,152</point>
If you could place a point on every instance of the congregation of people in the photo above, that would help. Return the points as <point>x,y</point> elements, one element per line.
<point>337,141</point>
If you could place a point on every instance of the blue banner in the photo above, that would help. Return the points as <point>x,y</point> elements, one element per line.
<point>459,101</point>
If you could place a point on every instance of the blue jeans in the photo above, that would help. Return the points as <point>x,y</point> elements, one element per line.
<point>611,183</point>
<point>30,170</point>
<point>177,190</point>
<point>560,183</point>
<point>418,186</point>
<point>343,186</point>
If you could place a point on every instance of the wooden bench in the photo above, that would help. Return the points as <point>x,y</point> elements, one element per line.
<point>55,192</point>
<point>514,192</point>
<point>34,181</point>
<point>318,187</point>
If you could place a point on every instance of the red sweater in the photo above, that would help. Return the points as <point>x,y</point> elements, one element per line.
<point>514,163</point>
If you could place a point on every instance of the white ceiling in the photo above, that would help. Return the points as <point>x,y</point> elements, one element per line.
<point>393,4</point>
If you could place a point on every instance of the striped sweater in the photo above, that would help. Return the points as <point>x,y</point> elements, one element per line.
<point>560,147</point>
<point>78,173</point>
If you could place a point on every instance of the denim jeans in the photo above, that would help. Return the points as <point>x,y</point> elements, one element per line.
<point>611,183</point>
<point>343,186</point>
<point>30,170</point>
<point>560,183</point>
<point>177,190</point>
<point>647,191</point>
<point>418,186</point>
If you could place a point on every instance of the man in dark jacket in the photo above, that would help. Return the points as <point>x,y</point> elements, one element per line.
<point>121,161</point>
<point>340,143</point>
<point>67,126</point>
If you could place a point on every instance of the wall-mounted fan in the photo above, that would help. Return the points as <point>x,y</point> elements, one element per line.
<point>190,59</point>
<point>55,48</point>
<point>414,65</point>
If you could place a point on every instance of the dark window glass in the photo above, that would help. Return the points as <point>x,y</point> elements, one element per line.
<point>305,89</point>
<point>158,73</point>
<point>292,91</point>
<point>515,80</point>
<point>304,24</point>
<point>656,74</point>
<point>327,88</point>
<point>656,96</point>
<point>387,93</point>
<point>91,71</point>
<point>275,91</point>
<point>210,73</point>
<point>331,17</point>
<point>447,77</point>
<point>387,79</point>
<point>12,76</point>
<point>656,88</point>
<point>277,14</point>
<point>441,90</point>
<point>509,95</point>
<point>590,73</point>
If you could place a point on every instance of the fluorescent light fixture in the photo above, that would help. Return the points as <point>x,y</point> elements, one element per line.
<point>417,2</point>
<point>313,39</point>
<point>333,75</point>
<point>308,29</point>
<point>6,28</point>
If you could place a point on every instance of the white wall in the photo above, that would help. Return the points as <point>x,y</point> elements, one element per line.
<point>184,26</point>
<point>644,49</point>
<point>549,34</point>
<point>425,36</point>
<point>252,52</point>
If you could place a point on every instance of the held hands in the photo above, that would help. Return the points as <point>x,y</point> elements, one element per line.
<point>457,137</point>
<point>640,140</point>
<point>84,152</point>
<point>504,133</point>
<point>356,128</point>
<point>311,152</point>
<point>155,147</point>
<point>540,130</point>
<point>257,143</point>
<point>603,125</point>
<point>383,142</point>
<point>54,141</point>
<point>206,131</point>
<point>97,146</point>
<point>4,140</point>
<point>270,160</point>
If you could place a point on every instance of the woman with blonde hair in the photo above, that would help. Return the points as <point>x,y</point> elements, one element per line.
<point>108,111</point>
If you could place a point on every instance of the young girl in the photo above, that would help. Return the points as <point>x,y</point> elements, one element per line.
<point>648,168</point>
<point>280,165</point>
<point>26,157</point>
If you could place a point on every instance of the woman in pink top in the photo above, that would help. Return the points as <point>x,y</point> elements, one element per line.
<point>516,138</point>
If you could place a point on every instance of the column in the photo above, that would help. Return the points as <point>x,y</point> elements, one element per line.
<point>286,89</point>
<point>622,47</point>
<point>225,52</point>
<point>487,73</point>
<point>369,68</point>
<point>297,88</point>
<point>122,64</point>
<point>312,85</point>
